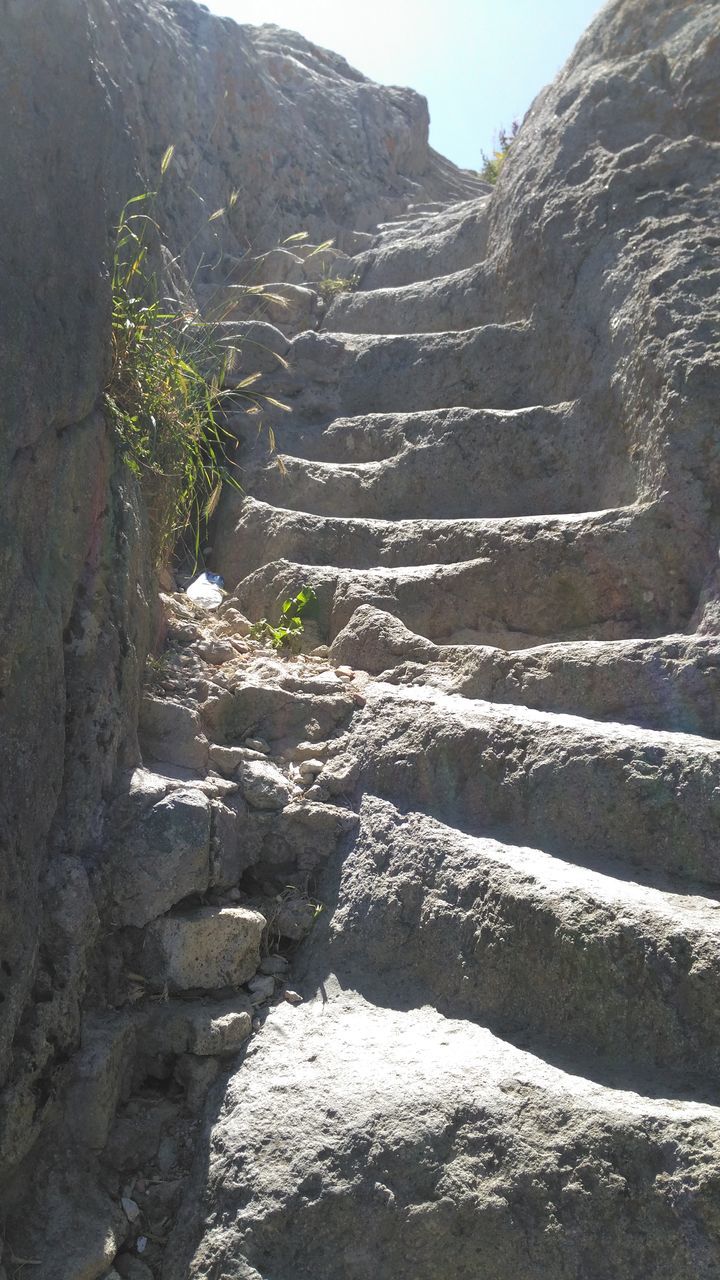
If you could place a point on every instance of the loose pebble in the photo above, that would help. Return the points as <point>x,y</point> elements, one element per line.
<point>131,1209</point>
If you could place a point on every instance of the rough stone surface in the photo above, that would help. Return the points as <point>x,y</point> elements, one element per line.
<point>427,1140</point>
<point>203,1029</point>
<point>499,1052</point>
<point>75,619</point>
<point>100,1073</point>
<point>172,733</point>
<point>264,786</point>
<point>161,857</point>
<point>207,949</point>
<point>501,479</point>
<point>96,90</point>
<point>320,147</point>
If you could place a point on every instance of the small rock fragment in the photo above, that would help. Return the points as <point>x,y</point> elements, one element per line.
<point>130,1208</point>
<point>216,652</point>
<point>292,997</point>
<point>295,918</point>
<point>206,948</point>
<point>261,988</point>
<point>233,622</point>
<point>264,786</point>
<point>309,751</point>
<point>274,965</point>
<point>309,768</point>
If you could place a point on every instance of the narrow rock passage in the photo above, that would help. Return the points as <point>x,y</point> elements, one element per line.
<point>506,1061</point>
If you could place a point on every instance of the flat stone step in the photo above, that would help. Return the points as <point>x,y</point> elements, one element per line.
<point>669,683</point>
<point>461,300</point>
<point>444,244</point>
<point>343,375</point>
<point>459,463</point>
<point>376,437</point>
<point>359,1141</point>
<point>544,952</point>
<point>581,789</point>
<point>514,583</point>
<point>290,307</point>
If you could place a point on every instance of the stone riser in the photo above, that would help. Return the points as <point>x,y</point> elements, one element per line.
<point>403,256</point>
<point>534,947</point>
<point>579,789</point>
<point>607,577</point>
<point>493,366</point>
<point>671,683</point>
<point>462,300</point>
<point>467,464</point>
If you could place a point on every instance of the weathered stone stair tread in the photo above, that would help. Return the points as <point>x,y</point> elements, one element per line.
<point>535,946</point>
<point>434,216</point>
<point>496,366</point>
<point>606,575</point>
<point>461,463</point>
<point>460,300</point>
<point>435,1138</point>
<point>379,437</point>
<point>581,789</point>
<point>441,245</point>
<point>668,683</point>
<point>360,542</point>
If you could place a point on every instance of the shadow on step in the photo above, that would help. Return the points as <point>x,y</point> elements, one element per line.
<point>595,974</point>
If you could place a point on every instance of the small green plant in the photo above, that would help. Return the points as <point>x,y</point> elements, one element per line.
<point>286,633</point>
<point>492,165</point>
<point>166,393</point>
<point>165,408</point>
<point>332,286</point>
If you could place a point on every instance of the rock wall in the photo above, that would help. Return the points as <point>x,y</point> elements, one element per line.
<point>306,141</point>
<point>93,91</point>
<point>75,586</point>
<point>604,227</point>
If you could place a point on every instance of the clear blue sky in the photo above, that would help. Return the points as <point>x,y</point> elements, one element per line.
<point>478,62</point>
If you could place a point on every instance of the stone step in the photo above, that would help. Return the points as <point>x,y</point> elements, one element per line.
<point>376,437</point>
<point>462,300</point>
<point>670,683</point>
<point>459,463</point>
<point>567,959</point>
<point>514,583</point>
<point>449,242</point>
<point>290,307</point>
<point>403,226</point>
<point>581,789</point>
<point>365,1141</point>
<point>494,367</point>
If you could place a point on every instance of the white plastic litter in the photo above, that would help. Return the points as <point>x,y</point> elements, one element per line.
<point>207,590</point>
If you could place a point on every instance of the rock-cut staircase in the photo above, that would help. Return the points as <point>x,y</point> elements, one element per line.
<point>507,1060</point>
